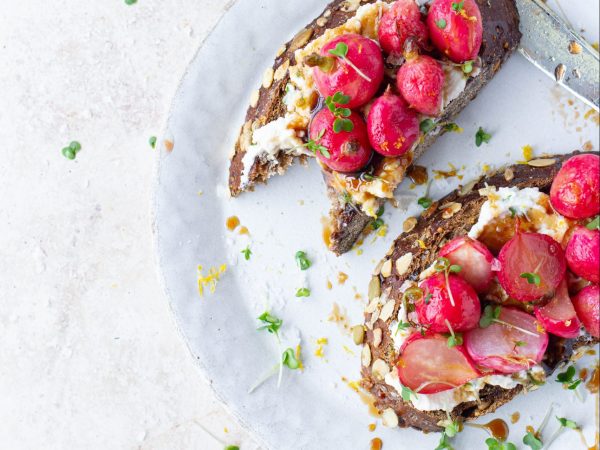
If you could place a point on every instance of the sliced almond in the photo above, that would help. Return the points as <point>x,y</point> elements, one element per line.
<point>268,78</point>
<point>282,70</point>
<point>377,270</point>
<point>409,224</point>
<point>322,21</point>
<point>372,306</point>
<point>254,98</point>
<point>509,174</point>
<point>559,72</point>
<point>403,263</point>
<point>365,356</point>
<point>281,50</point>
<point>350,5</point>
<point>387,310</point>
<point>373,319</point>
<point>450,209</point>
<point>542,162</point>
<point>467,188</point>
<point>389,418</point>
<point>487,191</point>
<point>380,369</point>
<point>377,337</point>
<point>374,288</point>
<point>386,268</point>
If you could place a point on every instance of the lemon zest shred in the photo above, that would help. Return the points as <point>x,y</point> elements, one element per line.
<point>211,279</point>
<point>321,342</point>
<point>299,357</point>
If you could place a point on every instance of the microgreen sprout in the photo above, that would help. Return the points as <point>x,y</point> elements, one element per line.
<point>513,211</point>
<point>444,265</point>
<point>303,292</point>
<point>270,323</point>
<point>444,444</point>
<point>232,447</point>
<point>302,260</point>
<point>567,378</point>
<point>289,360</point>
<point>341,123</point>
<point>407,393</point>
<point>495,444</point>
<point>378,223</point>
<point>564,424</point>
<point>454,339</point>
<point>314,146</point>
<point>152,141</point>
<point>402,326</point>
<point>425,202</point>
<point>531,440</point>
<point>71,151</point>
<point>426,126</point>
<point>341,51</point>
<point>247,253</point>
<point>467,67</point>
<point>130,2</point>
<point>491,315</point>
<point>594,224</point>
<point>532,278</point>
<point>458,7</point>
<point>481,136</point>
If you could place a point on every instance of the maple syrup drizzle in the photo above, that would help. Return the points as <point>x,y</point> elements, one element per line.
<point>594,382</point>
<point>418,175</point>
<point>376,444</point>
<point>497,428</point>
<point>232,223</point>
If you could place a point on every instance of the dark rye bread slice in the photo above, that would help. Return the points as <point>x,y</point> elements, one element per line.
<point>435,227</point>
<point>501,37</point>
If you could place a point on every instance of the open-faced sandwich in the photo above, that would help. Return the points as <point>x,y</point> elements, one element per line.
<point>366,88</point>
<point>486,293</point>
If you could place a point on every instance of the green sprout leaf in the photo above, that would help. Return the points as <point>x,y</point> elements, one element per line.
<point>289,360</point>
<point>71,151</point>
<point>458,7</point>
<point>452,127</point>
<point>340,50</point>
<point>444,444</point>
<point>467,67</point>
<point>152,141</point>
<point>567,423</point>
<point>426,126</point>
<point>402,326</point>
<point>495,444</point>
<point>340,125</point>
<point>247,253</point>
<point>513,211</point>
<point>481,136</point>
<point>520,343</point>
<point>490,314</point>
<point>530,440</point>
<point>232,447</point>
<point>302,260</point>
<point>314,146</point>
<point>532,278</point>
<point>454,340</point>
<point>452,429</point>
<point>303,292</point>
<point>270,323</point>
<point>425,202</point>
<point>407,393</point>
<point>455,268</point>
<point>594,224</point>
<point>441,24</point>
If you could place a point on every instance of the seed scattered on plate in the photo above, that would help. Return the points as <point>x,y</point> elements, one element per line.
<point>574,48</point>
<point>358,334</point>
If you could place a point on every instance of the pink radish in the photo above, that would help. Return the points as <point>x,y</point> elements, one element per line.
<point>558,316</point>
<point>475,260</point>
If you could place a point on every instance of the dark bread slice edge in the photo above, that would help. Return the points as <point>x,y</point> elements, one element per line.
<point>434,230</point>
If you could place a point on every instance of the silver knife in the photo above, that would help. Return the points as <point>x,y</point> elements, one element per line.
<point>555,48</point>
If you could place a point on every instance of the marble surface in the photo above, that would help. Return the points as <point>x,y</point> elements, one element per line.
<point>90,354</point>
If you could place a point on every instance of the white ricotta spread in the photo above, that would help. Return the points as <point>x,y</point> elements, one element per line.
<point>455,83</point>
<point>527,202</point>
<point>269,140</point>
<point>448,400</point>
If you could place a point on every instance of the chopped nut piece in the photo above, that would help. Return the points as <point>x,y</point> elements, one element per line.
<point>371,307</point>
<point>509,174</point>
<point>380,369</point>
<point>254,98</point>
<point>322,21</point>
<point>377,336</point>
<point>373,319</point>
<point>365,356</point>
<point>450,209</point>
<point>268,78</point>
<point>542,162</point>
<point>282,70</point>
<point>389,418</point>
<point>409,224</point>
<point>386,268</point>
<point>374,288</point>
<point>387,310</point>
<point>358,334</point>
<point>301,39</point>
<point>403,263</point>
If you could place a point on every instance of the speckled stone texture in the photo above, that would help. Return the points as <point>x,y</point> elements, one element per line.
<point>90,354</point>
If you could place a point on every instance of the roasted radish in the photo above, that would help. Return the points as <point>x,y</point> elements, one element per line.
<point>427,365</point>
<point>575,192</point>
<point>558,316</point>
<point>587,305</point>
<point>583,254</point>
<point>420,80</point>
<point>401,22</point>
<point>532,266</point>
<point>475,260</point>
<point>508,340</point>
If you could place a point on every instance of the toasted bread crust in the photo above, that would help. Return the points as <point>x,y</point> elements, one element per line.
<point>501,37</point>
<point>433,230</point>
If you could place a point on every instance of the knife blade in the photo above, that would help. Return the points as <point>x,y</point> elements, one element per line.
<point>555,48</point>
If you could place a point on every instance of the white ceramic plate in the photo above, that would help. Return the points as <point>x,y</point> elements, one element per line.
<point>315,408</point>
